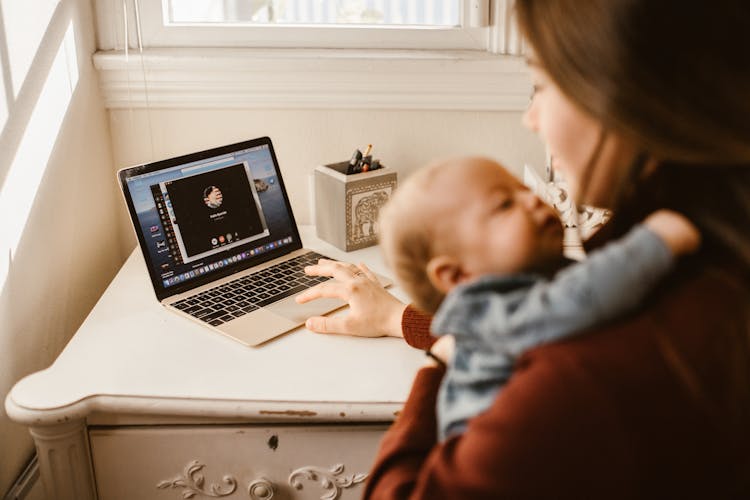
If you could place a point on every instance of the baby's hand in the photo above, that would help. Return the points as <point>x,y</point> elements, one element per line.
<point>678,233</point>
<point>444,348</point>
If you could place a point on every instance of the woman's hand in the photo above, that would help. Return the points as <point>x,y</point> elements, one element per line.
<point>373,311</point>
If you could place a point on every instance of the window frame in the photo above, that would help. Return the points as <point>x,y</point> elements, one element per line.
<point>494,78</point>
<point>475,32</point>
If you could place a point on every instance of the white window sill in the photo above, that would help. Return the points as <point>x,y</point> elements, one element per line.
<point>313,79</point>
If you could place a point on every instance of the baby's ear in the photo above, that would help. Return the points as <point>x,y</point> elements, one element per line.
<point>445,272</point>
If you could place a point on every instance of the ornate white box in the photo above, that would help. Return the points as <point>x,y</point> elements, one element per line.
<point>347,206</point>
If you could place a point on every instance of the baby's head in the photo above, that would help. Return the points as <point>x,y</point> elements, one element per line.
<point>456,220</point>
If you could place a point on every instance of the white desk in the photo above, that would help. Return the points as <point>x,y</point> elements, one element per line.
<point>144,404</point>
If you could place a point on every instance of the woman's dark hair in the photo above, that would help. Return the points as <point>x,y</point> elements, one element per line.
<point>673,77</point>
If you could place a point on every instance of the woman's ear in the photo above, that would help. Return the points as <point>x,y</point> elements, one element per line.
<point>445,272</point>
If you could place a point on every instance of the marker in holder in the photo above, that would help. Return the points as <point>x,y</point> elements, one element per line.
<point>362,162</point>
<point>348,198</point>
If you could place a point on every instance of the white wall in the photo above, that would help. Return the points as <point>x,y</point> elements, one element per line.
<point>59,221</point>
<point>64,227</point>
<point>303,139</point>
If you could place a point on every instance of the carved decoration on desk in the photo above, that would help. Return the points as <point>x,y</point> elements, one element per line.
<point>261,489</point>
<point>192,483</point>
<point>329,479</point>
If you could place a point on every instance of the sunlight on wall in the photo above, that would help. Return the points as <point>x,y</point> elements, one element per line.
<point>3,98</point>
<point>19,191</point>
<point>24,30</point>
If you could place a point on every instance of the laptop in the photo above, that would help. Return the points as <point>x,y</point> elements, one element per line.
<point>220,242</point>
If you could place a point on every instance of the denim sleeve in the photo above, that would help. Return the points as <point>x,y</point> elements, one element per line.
<point>610,282</point>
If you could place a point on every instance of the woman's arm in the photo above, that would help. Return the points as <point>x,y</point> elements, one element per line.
<point>532,443</point>
<point>407,443</point>
<point>416,327</point>
<point>373,311</point>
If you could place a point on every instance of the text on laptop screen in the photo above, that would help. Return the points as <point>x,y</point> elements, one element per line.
<point>200,217</point>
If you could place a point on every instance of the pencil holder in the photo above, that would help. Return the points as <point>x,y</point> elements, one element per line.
<point>347,206</point>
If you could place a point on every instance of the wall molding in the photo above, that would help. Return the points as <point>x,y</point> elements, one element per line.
<point>312,79</point>
<point>28,480</point>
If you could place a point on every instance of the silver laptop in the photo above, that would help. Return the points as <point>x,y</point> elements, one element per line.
<point>220,241</point>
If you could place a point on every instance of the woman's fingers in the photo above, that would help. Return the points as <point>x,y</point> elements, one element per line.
<point>373,312</point>
<point>368,273</point>
<point>325,324</point>
<point>335,269</point>
<point>329,290</point>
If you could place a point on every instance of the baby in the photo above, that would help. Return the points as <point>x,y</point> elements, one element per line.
<point>471,244</point>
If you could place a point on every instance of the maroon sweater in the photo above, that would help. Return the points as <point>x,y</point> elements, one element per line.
<point>649,406</point>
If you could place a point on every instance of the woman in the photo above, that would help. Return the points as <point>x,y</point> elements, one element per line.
<point>644,105</point>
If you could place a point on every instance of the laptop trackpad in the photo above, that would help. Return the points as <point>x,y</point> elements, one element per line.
<point>300,312</point>
<point>257,327</point>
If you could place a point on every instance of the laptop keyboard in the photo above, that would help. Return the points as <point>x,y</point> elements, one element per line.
<point>248,293</point>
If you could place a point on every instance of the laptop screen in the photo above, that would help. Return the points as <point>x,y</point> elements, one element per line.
<point>207,215</point>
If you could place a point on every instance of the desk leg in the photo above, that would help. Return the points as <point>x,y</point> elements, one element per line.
<point>65,461</point>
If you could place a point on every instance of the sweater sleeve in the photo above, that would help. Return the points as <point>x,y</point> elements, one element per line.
<point>530,444</point>
<point>416,327</point>
<point>408,441</point>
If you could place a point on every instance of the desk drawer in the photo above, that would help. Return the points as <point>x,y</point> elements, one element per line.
<point>279,462</point>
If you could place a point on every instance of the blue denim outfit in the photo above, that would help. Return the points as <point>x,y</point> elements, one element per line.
<point>497,318</point>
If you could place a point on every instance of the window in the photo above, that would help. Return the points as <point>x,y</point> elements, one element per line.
<point>315,54</point>
<point>445,13</point>
<point>381,24</point>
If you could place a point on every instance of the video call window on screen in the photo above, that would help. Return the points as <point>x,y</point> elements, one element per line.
<point>213,211</point>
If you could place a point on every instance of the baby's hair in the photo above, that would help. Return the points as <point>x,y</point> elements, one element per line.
<point>407,236</point>
<point>410,236</point>
<point>407,248</point>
